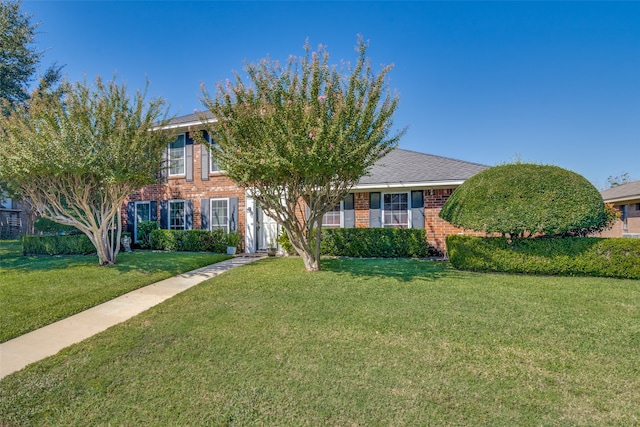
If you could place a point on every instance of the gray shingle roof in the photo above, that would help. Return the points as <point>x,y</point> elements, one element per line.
<point>407,167</point>
<point>190,118</point>
<point>628,191</point>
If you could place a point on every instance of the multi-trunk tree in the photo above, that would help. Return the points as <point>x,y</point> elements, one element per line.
<point>78,156</point>
<point>300,136</point>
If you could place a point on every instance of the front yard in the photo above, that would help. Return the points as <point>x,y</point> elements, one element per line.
<point>364,342</point>
<point>38,290</point>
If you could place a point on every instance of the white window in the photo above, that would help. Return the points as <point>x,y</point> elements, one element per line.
<point>213,165</point>
<point>395,209</point>
<point>220,214</point>
<point>332,218</point>
<point>177,155</point>
<point>143,213</point>
<point>177,217</point>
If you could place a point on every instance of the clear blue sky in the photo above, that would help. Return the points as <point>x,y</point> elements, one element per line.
<point>487,82</point>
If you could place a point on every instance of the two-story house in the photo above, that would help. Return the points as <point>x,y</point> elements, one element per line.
<point>404,189</point>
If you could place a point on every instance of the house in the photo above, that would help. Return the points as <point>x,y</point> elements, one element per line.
<point>404,189</point>
<point>626,198</point>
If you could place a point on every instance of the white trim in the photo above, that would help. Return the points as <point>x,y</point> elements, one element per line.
<point>184,156</point>
<point>341,211</point>
<point>184,214</point>
<point>226,229</point>
<point>408,185</point>
<point>211,156</point>
<point>184,125</point>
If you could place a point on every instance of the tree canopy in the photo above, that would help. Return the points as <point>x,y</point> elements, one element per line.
<point>524,199</point>
<point>77,157</point>
<point>306,131</point>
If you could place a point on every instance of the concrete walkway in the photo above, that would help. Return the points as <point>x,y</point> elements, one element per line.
<point>47,341</point>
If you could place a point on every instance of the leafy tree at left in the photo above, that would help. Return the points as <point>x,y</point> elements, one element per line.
<point>78,156</point>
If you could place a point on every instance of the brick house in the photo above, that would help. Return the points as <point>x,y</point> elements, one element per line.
<point>626,198</point>
<point>404,189</point>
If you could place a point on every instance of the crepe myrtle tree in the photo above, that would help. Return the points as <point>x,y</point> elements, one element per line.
<point>78,156</point>
<point>299,136</point>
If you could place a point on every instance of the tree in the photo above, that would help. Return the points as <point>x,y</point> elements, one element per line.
<point>19,59</point>
<point>300,136</point>
<point>77,157</point>
<point>614,181</point>
<point>525,200</point>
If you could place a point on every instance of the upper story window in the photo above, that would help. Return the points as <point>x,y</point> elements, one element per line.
<point>332,218</point>
<point>177,155</point>
<point>177,217</point>
<point>220,214</point>
<point>395,208</point>
<point>213,165</point>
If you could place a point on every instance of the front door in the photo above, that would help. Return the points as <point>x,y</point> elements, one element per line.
<point>143,213</point>
<point>266,230</point>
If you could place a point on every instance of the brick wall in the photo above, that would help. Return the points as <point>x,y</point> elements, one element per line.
<point>361,207</point>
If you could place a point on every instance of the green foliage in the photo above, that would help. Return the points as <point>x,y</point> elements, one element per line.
<point>47,226</point>
<point>232,238</point>
<point>369,243</point>
<point>144,229</point>
<point>526,199</point>
<point>78,244</point>
<point>570,256</point>
<point>79,156</point>
<point>307,131</point>
<point>189,240</point>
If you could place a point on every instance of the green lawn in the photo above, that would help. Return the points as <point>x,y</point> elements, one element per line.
<point>37,291</point>
<point>362,343</point>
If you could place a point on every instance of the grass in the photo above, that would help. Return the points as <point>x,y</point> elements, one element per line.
<point>362,343</point>
<point>37,291</point>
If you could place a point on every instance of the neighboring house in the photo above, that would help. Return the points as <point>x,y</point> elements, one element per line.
<point>626,198</point>
<point>404,189</point>
<point>11,218</point>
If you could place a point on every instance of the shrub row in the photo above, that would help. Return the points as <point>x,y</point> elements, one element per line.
<point>77,244</point>
<point>189,240</point>
<point>571,256</point>
<point>369,243</point>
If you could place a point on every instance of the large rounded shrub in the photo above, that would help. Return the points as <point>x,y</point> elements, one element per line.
<point>523,199</point>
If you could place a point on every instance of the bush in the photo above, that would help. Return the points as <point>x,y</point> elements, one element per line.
<point>47,226</point>
<point>144,229</point>
<point>527,199</point>
<point>570,256</point>
<point>189,240</point>
<point>77,244</point>
<point>369,243</point>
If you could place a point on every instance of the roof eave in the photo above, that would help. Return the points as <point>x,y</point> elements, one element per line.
<point>407,185</point>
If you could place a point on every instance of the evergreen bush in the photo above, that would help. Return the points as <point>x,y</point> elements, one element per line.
<point>76,244</point>
<point>189,240</point>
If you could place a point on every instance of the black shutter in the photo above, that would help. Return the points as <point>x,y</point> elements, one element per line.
<point>189,159</point>
<point>131,217</point>
<point>349,212</point>
<point>233,214</point>
<point>204,162</point>
<point>188,214</point>
<point>164,214</point>
<point>205,207</point>
<point>375,213</point>
<point>417,209</point>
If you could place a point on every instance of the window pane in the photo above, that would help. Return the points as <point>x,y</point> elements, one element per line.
<point>396,210</point>
<point>220,214</point>
<point>332,218</point>
<point>176,156</point>
<point>176,216</point>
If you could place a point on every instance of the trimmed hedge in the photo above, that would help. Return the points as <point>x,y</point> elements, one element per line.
<point>369,243</point>
<point>570,256</point>
<point>76,244</point>
<point>189,240</point>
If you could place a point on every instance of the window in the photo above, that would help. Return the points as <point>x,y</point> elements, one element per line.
<point>332,218</point>
<point>213,166</point>
<point>143,213</point>
<point>220,214</point>
<point>177,154</point>
<point>177,218</point>
<point>396,210</point>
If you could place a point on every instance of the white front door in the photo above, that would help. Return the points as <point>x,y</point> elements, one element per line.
<point>266,230</point>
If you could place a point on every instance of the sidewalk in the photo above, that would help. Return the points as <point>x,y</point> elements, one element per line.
<point>19,352</point>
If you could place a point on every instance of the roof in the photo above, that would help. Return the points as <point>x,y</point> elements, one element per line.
<point>190,119</point>
<point>405,168</point>
<point>629,191</point>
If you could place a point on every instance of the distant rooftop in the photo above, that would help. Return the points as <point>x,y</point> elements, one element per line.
<point>628,191</point>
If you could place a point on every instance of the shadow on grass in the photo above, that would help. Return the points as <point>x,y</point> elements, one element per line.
<point>404,269</point>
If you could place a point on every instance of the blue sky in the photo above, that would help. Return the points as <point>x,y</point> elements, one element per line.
<point>487,82</point>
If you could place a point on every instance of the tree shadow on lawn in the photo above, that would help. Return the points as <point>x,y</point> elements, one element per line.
<point>403,269</point>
